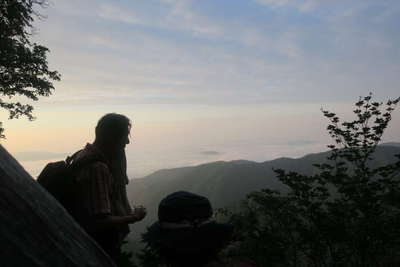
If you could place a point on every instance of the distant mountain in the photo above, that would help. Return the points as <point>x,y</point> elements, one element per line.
<point>226,183</point>
<point>396,144</point>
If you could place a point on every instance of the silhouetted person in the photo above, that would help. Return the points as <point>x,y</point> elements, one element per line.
<point>185,235</point>
<point>101,205</point>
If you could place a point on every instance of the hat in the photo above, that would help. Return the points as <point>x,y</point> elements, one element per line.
<point>184,206</point>
<point>185,227</point>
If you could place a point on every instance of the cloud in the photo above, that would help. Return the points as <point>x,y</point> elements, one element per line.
<point>274,2</point>
<point>301,5</point>
<point>172,51</point>
<point>302,143</point>
<point>114,12</point>
<point>210,153</point>
<point>183,16</point>
<point>178,15</point>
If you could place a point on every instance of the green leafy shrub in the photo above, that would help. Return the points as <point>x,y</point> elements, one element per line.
<point>346,214</point>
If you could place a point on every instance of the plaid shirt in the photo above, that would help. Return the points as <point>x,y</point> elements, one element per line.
<point>98,181</point>
<point>94,190</point>
<point>101,191</point>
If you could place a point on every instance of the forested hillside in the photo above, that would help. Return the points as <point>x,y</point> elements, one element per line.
<point>226,183</point>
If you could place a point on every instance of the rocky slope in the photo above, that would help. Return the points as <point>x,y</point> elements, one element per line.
<point>34,229</point>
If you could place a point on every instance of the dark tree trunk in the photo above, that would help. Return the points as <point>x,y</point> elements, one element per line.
<point>35,230</point>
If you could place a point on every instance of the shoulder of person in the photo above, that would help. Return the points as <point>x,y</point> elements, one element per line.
<point>90,163</point>
<point>93,170</point>
<point>89,155</point>
<point>101,165</point>
<point>99,169</point>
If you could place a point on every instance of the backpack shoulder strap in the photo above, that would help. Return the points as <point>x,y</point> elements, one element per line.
<point>75,165</point>
<point>70,159</point>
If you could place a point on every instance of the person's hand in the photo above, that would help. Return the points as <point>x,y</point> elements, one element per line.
<point>139,213</point>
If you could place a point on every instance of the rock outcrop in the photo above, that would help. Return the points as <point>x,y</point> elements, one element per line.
<point>35,230</point>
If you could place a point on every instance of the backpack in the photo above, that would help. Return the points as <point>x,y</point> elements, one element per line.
<point>58,178</point>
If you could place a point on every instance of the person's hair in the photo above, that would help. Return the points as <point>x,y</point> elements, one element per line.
<point>112,127</point>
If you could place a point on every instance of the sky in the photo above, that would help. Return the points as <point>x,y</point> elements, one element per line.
<point>206,80</point>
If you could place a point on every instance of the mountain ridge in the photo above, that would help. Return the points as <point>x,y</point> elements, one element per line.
<point>243,161</point>
<point>226,183</point>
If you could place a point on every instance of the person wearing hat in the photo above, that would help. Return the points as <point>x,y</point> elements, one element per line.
<point>185,235</point>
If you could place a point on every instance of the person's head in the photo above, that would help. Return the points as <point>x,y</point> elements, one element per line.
<point>184,234</point>
<point>112,131</point>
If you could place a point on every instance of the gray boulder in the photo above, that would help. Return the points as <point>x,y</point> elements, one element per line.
<point>35,230</point>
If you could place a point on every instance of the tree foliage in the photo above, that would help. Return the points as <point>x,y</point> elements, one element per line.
<point>346,214</point>
<point>126,258</point>
<point>23,64</point>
